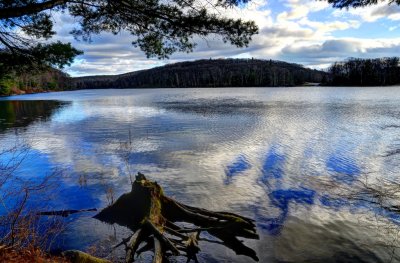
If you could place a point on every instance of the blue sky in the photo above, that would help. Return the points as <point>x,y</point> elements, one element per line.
<point>309,32</point>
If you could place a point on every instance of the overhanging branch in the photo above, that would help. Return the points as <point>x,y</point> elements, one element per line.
<point>30,9</point>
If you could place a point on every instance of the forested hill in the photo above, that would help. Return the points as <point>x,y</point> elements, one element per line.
<point>209,73</point>
<point>34,81</point>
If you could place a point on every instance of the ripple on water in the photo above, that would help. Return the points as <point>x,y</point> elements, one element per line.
<point>293,159</point>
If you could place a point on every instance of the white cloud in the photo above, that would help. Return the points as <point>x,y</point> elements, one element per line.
<point>329,26</point>
<point>302,31</point>
<point>319,54</point>
<point>301,8</point>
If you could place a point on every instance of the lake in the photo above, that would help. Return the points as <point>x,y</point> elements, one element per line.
<point>307,163</point>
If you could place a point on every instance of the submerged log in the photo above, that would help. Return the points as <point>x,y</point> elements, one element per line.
<point>152,217</point>
<point>64,213</point>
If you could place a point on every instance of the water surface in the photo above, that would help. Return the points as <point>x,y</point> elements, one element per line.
<point>291,158</point>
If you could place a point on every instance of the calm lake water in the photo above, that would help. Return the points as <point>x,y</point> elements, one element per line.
<point>300,161</point>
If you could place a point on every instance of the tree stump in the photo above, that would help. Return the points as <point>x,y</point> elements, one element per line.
<point>152,217</point>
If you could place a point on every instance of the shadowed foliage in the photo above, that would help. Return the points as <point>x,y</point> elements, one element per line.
<point>159,28</point>
<point>365,72</point>
<point>358,3</point>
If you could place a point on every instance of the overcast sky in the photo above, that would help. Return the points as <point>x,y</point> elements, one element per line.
<point>308,32</point>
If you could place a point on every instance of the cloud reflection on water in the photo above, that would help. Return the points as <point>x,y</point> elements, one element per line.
<point>259,152</point>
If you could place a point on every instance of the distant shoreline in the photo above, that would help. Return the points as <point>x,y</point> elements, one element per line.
<point>216,73</point>
<point>304,85</point>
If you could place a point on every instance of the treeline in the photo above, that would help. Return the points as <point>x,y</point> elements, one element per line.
<point>21,113</point>
<point>213,73</point>
<point>34,81</point>
<point>210,73</point>
<point>365,72</point>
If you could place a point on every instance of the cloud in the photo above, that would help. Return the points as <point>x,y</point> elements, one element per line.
<point>330,48</point>
<point>286,32</point>
<point>301,8</point>
<point>299,31</point>
<point>318,55</point>
<point>330,26</point>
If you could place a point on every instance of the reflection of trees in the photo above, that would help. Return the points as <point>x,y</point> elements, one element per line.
<point>380,192</point>
<point>21,196</point>
<point>21,227</point>
<point>23,113</point>
<point>378,201</point>
<point>212,107</point>
<point>354,215</point>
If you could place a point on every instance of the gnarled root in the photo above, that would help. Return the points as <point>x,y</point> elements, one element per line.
<point>152,216</point>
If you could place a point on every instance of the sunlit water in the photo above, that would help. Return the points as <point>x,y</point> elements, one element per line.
<point>278,155</point>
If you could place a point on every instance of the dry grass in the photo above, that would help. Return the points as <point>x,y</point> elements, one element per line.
<point>24,235</point>
<point>29,254</point>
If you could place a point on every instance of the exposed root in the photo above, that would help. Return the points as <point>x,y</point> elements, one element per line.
<point>152,216</point>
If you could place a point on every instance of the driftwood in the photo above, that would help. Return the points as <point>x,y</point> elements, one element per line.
<point>64,213</point>
<point>153,218</point>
